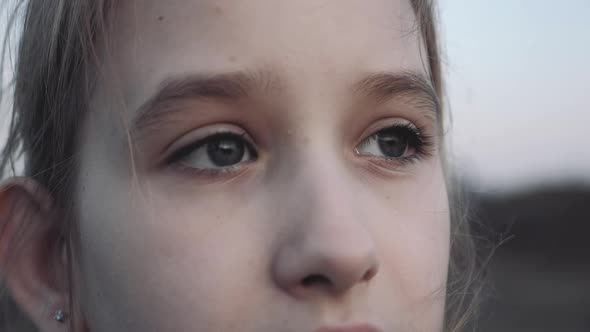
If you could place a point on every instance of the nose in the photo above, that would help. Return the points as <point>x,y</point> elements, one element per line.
<point>326,247</point>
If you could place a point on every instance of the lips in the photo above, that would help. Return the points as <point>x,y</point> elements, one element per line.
<point>349,328</point>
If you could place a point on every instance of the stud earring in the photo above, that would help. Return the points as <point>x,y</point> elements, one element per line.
<point>60,316</point>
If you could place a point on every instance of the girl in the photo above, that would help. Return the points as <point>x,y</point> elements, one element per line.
<point>200,165</point>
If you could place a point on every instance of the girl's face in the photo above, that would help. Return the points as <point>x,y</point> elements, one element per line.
<point>263,166</point>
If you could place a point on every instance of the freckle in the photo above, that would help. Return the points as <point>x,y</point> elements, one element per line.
<point>218,10</point>
<point>160,18</point>
<point>387,197</point>
<point>305,140</point>
<point>233,58</point>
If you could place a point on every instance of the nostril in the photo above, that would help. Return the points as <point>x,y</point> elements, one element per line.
<point>315,279</point>
<point>370,274</point>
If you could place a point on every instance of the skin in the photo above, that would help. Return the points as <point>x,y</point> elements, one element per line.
<point>164,249</point>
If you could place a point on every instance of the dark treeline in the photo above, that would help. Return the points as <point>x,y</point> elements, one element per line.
<point>539,271</point>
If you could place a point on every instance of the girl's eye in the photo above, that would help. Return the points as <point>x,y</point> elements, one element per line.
<point>399,142</point>
<point>217,152</point>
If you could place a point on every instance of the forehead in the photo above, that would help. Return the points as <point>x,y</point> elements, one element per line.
<point>314,44</point>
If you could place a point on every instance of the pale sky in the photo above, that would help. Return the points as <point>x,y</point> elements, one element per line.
<point>519,89</point>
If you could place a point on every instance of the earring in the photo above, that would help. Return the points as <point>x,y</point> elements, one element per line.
<point>60,316</point>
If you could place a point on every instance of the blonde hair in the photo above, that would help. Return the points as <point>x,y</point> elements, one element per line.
<point>53,81</point>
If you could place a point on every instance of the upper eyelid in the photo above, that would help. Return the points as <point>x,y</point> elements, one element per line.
<point>184,142</point>
<point>382,124</point>
<point>415,130</point>
<point>380,86</point>
<point>221,87</point>
<point>177,146</point>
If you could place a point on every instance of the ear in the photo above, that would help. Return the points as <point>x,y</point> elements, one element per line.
<point>32,258</point>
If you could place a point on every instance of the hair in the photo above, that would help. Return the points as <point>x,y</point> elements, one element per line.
<point>55,71</point>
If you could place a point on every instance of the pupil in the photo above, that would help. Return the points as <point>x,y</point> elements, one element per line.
<point>392,143</point>
<point>225,152</point>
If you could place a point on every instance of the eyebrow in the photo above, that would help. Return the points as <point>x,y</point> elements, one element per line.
<point>225,86</point>
<point>380,86</point>
<point>417,87</point>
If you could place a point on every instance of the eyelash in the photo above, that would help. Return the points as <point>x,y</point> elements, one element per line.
<point>421,143</point>
<point>175,158</point>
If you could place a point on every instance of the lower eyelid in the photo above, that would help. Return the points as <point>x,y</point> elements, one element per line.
<point>385,169</point>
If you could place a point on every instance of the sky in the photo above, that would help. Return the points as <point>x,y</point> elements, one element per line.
<point>518,87</point>
<point>518,84</point>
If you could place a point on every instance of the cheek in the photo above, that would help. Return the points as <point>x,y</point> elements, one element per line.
<point>151,258</point>
<point>412,233</point>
